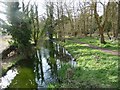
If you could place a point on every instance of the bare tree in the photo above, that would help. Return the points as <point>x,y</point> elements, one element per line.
<point>101,26</point>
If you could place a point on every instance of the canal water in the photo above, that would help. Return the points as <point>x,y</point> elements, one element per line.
<point>39,71</point>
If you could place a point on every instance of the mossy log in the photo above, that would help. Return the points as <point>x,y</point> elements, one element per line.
<point>6,53</point>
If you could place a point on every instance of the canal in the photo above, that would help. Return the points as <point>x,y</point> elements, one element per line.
<point>40,70</point>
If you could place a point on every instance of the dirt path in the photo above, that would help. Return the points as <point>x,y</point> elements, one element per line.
<point>99,48</point>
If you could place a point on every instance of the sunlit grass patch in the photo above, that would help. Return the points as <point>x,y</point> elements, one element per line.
<point>111,44</point>
<point>94,68</point>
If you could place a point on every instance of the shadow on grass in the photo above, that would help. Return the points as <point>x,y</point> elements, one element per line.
<point>86,51</point>
<point>87,78</point>
<point>95,42</point>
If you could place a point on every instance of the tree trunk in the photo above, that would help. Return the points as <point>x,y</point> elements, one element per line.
<point>90,34</point>
<point>113,30</point>
<point>118,30</point>
<point>108,35</point>
<point>101,27</point>
<point>102,40</point>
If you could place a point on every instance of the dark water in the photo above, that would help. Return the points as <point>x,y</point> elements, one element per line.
<point>39,71</point>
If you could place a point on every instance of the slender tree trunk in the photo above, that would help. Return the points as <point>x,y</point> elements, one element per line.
<point>70,19</point>
<point>91,12</point>
<point>58,16</point>
<point>118,30</point>
<point>108,35</point>
<point>84,22</point>
<point>63,25</point>
<point>101,28</point>
<point>113,30</point>
<point>102,40</point>
<point>50,16</point>
<point>84,27</point>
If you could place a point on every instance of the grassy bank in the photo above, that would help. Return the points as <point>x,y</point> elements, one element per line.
<point>94,68</point>
<point>26,77</point>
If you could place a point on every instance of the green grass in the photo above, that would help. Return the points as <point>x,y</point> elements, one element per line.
<point>94,68</point>
<point>26,76</point>
<point>112,45</point>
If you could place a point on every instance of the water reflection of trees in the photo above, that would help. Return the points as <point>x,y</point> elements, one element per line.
<point>52,60</point>
<point>48,61</point>
<point>39,68</point>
